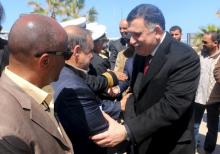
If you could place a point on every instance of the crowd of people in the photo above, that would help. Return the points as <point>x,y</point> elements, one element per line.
<point>66,88</point>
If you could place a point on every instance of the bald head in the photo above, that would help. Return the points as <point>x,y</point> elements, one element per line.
<point>35,33</point>
<point>123,22</point>
<point>123,27</point>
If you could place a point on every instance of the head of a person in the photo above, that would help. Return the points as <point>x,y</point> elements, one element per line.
<point>100,43</point>
<point>176,32</point>
<point>123,28</point>
<point>80,43</point>
<point>98,32</point>
<point>210,42</point>
<point>37,46</point>
<point>146,24</point>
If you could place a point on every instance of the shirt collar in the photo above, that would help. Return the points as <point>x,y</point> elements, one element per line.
<point>155,50</point>
<point>35,92</point>
<point>82,70</point>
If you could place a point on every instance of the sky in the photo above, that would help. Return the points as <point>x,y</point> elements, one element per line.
<point>190,15</point>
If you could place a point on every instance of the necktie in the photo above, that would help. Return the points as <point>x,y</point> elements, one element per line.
<point>146,64</point>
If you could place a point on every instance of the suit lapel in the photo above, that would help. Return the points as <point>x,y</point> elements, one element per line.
<point>157,62</point>
<point>41,117</point>
<point>37,113</point>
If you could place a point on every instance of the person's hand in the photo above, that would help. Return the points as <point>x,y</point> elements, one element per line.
<point>124,100</point>
<point>121,76</point>
<point>114,91</point>
<point>115,134</point>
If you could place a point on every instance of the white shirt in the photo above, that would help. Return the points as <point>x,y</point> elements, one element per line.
<point>207,81</point>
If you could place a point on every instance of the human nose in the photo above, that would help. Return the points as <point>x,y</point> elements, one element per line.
<point>91,55</point>
<point>132,40</point>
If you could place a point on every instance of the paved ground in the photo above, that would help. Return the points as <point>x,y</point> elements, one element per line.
<point>203,131</point>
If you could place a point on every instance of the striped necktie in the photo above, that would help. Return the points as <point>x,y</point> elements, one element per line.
<point>146,64</point>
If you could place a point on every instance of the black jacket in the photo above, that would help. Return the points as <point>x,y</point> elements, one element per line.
<point>159,114</point>
<point>114,48</point>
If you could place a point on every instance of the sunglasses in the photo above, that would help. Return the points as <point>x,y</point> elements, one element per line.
<point>66,54</point>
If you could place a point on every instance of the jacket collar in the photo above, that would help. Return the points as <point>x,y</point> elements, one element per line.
<point>157,61</point>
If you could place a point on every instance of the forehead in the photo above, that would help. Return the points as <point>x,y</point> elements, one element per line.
<point>123,24</point>
<point>207,37</point>
<point>175,31</point>
<point>137,25</point>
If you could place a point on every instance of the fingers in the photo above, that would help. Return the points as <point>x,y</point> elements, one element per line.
<point>99,137</point>
<point>103,141</point>
<point>107,117</point>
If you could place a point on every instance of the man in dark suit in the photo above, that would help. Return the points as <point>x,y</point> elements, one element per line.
<point>120,44</point>
<point>76,104</point>
<point>159,113</point>
<point>26,123</point>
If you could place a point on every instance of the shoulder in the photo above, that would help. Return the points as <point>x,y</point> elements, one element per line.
<point>114,43</point>
<point>14,122</point>
<point>179,50</point>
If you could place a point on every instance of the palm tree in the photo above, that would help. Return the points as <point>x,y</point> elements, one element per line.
<point>197,39</point>
<point>66,9</point>
<point>48,10</point>
<point>92,15</point>
<point>218,13</point>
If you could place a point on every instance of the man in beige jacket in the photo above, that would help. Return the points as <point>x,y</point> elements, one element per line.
<point>38,47</point>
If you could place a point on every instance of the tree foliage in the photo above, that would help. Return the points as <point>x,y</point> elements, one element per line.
<point>65,9</point>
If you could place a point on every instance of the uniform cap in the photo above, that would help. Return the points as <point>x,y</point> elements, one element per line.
<point>81,22</point>
<point>97,30</point>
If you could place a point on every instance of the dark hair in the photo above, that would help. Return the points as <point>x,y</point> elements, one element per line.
<point>215,36</point>
<point>173,28</point>
<point>150,13</point>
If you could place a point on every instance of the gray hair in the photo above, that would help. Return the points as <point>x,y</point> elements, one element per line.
<point>79,37</point>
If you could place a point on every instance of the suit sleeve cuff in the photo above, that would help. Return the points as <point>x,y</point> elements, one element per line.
<point>129,136</point>
<point>111,78</point>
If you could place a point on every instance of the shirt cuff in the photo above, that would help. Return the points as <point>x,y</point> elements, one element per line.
<point>128,133</point>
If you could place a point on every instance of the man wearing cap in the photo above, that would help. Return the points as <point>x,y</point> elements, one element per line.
<point>26,123</point>
<point>99,63</point>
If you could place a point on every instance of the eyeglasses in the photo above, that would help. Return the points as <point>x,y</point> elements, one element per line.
<point>66,54</point>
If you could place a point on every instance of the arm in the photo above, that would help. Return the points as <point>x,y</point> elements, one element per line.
<point>217,72</point>
<point>79,112</point>
<point>112,108</point>
<point>13,144</point>
<point>101,83</point>
<point>97,83</point>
